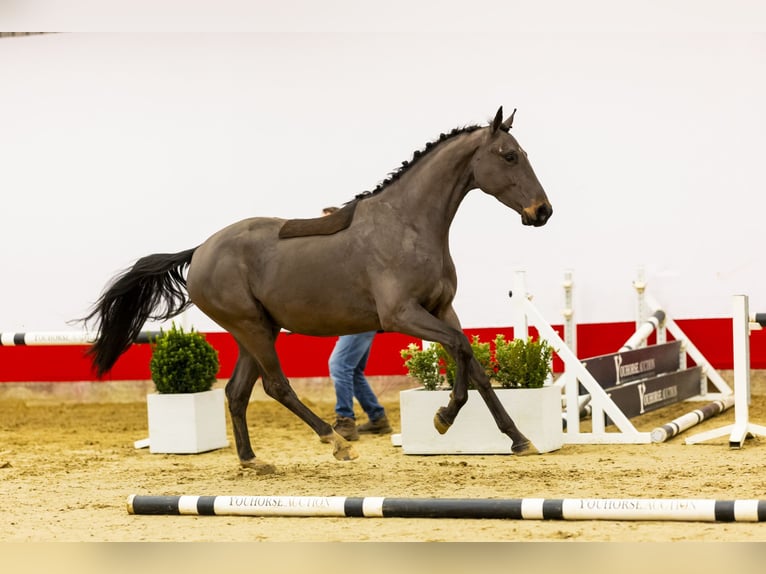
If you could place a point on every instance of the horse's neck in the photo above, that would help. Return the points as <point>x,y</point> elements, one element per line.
<point>433,189</point>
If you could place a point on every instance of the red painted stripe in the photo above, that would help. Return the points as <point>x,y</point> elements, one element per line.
<point>304,356</point>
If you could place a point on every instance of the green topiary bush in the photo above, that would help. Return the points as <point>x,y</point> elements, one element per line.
<point>434,368</point>
<point>522,363</point>
<point>183,362</point>
<point>513,364</point>
<point>423,365</point>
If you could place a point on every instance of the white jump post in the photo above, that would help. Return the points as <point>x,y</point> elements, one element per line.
<point>742,427</point>
<point>643,312</point>
<point>570,330</point>
<point>639,284</point>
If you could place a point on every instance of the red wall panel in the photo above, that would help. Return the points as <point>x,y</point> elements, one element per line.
<point>304,356</point>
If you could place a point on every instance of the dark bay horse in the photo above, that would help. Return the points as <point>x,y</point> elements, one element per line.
<point>381,263</point>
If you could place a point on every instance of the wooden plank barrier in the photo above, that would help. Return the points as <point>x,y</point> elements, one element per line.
<point>645,379</point>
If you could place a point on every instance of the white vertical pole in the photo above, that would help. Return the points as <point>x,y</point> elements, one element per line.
<point>570,329</point>
<point>639,284</point>
<point>183,321</point>
<point>661,334</point>
<point>741,334</point>
<point>518,298</point>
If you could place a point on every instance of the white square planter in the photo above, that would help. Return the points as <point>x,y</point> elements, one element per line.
<point>537,413</point>
<point>186,423</point>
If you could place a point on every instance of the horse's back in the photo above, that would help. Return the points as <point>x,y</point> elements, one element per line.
<point>242,233</point>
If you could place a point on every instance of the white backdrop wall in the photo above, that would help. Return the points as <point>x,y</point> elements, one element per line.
<point>649,144</point>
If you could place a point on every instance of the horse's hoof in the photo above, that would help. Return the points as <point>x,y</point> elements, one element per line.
<point>345,453</point>
<point>258,466</point>
<point>440,424</point>
<point>524,448</point>
<point>342,449</point>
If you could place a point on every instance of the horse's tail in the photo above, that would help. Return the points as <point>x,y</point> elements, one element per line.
<point>154,288</point>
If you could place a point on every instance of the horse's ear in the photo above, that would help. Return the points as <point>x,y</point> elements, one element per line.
<point>509,122</point>
<point>497,122</point>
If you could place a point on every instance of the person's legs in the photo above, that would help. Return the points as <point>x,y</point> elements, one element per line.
<point>378,421</point>
<point>362,389</point>
<point>349,351</point>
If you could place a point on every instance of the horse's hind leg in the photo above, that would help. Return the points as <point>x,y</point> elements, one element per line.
<point>259,340</point>
<point>238,391</point>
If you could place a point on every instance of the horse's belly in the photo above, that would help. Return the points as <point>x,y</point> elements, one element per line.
<point>321,310</point>
<point>323,322</point>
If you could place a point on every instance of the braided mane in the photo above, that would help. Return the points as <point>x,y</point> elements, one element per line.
<point>416,156</point>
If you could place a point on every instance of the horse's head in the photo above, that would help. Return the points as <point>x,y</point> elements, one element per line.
<point>501,169</point>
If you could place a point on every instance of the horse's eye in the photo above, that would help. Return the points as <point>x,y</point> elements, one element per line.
<point>511,156</point>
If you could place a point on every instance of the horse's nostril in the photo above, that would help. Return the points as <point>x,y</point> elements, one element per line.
<point>544,211</point>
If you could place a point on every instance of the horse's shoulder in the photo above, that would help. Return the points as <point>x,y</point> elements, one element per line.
<point>326,225</point>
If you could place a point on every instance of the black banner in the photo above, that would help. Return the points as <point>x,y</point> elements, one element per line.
<point>644,396</point>
<point>618,369</point>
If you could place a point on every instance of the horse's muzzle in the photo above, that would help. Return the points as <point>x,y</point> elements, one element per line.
<point>537,215</point>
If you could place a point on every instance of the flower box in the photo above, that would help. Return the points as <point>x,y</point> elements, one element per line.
<point>185,423</point>
<point>537,413</point>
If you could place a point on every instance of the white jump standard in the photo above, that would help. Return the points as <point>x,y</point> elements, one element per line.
<point>742,427</point>
<point>655,509</point>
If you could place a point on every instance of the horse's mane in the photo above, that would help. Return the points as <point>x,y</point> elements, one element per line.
<point>341,219</point>
<point>416,156</point>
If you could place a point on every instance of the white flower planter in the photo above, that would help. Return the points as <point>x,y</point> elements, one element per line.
<point>186,423</point>
<point>537,413</point>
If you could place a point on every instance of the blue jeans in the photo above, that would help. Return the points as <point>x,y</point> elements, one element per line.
<point>347,363</point>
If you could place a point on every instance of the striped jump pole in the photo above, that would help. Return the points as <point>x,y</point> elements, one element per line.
<point>50,338</point>
<point>656,509</point>
<point>692,418</point>
<point>644,330</point>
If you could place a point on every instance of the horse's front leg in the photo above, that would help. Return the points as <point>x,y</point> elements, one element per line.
<point>520,443</point>
<point>445,416</point>
<point>462,355</point>
<point>475,372</point>
<point>445,329</point>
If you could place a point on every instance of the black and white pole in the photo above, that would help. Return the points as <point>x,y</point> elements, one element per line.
<point>657,509</point>
<point>692,418</point>
<point>55,338</point>
<point>646,328</point>
<point>757,321</point>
